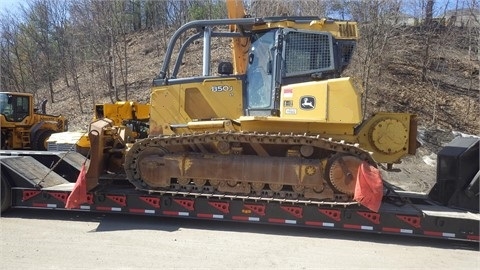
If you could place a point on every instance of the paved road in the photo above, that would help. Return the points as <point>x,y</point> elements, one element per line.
<point>45,239</point>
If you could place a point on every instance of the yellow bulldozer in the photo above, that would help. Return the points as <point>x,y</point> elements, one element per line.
<point>277,120</point>
<point>130,119</point>
<point>25,127</point>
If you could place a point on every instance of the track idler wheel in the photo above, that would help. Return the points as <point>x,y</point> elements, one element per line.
<point>342,171</point>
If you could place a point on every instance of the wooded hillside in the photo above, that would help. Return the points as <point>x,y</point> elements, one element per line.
<point>413,56</point>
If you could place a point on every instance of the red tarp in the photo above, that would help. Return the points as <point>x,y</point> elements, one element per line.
<point>369,187</point>
<point>78,195</point>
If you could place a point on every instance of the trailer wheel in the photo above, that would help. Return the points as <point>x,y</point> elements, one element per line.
<point>39,141</point>
<point>6,194</point>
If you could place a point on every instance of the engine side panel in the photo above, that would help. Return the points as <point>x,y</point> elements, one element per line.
<point>181,102</point>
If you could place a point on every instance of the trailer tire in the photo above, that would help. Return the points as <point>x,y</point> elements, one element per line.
<point>40,138</point>
<point>6,194</point>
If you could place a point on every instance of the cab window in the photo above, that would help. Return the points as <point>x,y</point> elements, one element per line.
<point>259,74</point>
<point>14,108</point>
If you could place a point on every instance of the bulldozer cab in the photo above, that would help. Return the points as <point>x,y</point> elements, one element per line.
<point>15,107</point>
<point>277,52</point>
<point>286,56</point>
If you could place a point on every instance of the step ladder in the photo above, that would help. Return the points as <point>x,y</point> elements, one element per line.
<point>25,139</point>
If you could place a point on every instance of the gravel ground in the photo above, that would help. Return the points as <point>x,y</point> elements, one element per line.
<point>36,239</point>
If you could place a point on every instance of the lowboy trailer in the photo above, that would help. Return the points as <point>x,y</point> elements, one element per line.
<point>44,180</point>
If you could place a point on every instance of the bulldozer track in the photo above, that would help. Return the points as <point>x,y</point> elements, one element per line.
<point>196,143</point>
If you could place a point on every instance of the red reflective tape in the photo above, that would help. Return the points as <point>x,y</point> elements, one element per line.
<point>286,221</point>
<point>396,230</point>
<point>82,207</point>
<point>108,208</point>
<point>439,234</point>
<point>473,237</point>
<point>46,205</point>
<point>276,220</point>
<point>314,223</point>
<point>358,227</point>
<point>244,218</point>
<point>210,216</point>
<point>175,213</point>
<point>319,223</point>
<point>141,211</point>
<point>432,233</point>
<point>388,229</point>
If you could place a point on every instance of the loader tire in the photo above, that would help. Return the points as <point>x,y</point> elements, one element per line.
<point>6,194</point>
<point>39,141</point>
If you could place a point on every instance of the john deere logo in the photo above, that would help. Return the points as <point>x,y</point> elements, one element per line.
<point>307,103</point>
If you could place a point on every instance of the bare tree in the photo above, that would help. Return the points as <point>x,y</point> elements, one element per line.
<point>93,20</point>
<point>9,57</point>
<point>59,22</point>
<point>378,27</point>
<point>39,15</point>
<point>428,27</point>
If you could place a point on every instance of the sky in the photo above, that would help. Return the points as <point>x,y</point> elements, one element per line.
<point>10,5</point>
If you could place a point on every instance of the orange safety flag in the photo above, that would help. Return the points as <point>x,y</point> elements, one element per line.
<point>78,195</point>
<point>369,187</point>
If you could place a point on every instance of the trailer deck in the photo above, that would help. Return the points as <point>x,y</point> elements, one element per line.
<point>44,180</point>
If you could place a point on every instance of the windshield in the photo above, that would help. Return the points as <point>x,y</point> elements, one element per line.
<point>306,53</point>
<point>14,108</point>
<point>259,72</point>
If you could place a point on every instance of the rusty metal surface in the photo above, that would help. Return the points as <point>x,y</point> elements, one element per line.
<point>343,172</point>
<point>96,165</point>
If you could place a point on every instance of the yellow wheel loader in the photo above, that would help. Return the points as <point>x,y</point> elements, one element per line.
<point>25,127</point>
